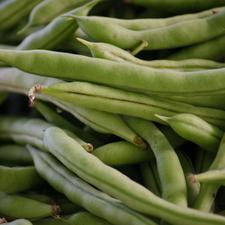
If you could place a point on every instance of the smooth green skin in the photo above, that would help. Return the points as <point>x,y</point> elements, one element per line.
<point>12,11</point>
<point>149,179</point>
<point>15,154</point>
<point>118,185</point>
<point>123,75</point>
<point>208,192</point>
<point>83,194</point>
<point>85,218</point>
<point>153,23</point>
<point>13,80</point>
<point>192,188</point>
<point>212,49</point>
<point>56,32</point>
<point>51,221</point>
<point>170,171</point>
<point>122,153</point>
<point>18,179</point>
<point>195,129</point>
<point>46,11</point>
<point>178,35</point>
<point>16,206</point>
<point>178,5</point>
<point>19,222</point>
<point>111,52</point>
<point>118,101</point>
<point>211,177</point>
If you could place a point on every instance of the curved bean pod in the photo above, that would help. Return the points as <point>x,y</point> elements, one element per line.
<point>195,129</point>
<point>178,6</point>
<point>16,206</point>
<point>114,100</point>
<point>19,222</point>
<point>15,154</point>
<point>46,11</point>
<point>121,153</point>
<point>57,31</point>
<point>80,192</point>
<point>82,218</point>
<point>173,36</point>
<point>122,75</point>
<point>173,183</point>
<point>207,193</point>
<point>111,52</point>
<point>13,10</point>
<point>118,185</point>
<point>18,179</point>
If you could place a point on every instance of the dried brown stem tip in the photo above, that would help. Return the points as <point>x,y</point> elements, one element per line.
<point>56,211</point>
<point>3,220</point>
<point>192,178</point>
<point>31,94</point>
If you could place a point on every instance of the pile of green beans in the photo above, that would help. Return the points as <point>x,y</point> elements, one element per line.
<point>112,112</point>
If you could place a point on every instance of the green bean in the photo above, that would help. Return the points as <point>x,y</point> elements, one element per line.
<point>178,6</point>
<point>118,185</point>
<point>210,177</point>
<point>173,184</point>
<point>122,75</point>
<point>149,178</point>
<point>207,193</point>
<point>30,131</point>
<point>153,23</point>
<point>83,218</point>
<point>121,153</point>
<point>212,49</point>
<point>17,179</point>
<point>111,52</point>
<point>56,32</point>
<point>17,81</point>
<point>46,11</point>
<point>114,100</point>
<point>12,11</point>
<point>177,35</point>
<point>52,221</point>
<point>15,154</point>
<point>80,192</point>
<point>19,222</point>
<point>16,206</point>
<point>195,129</point>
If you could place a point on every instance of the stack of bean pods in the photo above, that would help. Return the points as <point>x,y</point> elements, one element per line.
<point>112,112</point>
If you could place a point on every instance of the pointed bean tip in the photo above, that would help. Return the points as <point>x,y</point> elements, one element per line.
<point>163,118</point>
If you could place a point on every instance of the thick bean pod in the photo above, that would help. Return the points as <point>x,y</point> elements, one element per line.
<point>80,192</point>
<point>195,129</point>
<point>18,179</point>
<point>116,184</point>
<point>16,206</point>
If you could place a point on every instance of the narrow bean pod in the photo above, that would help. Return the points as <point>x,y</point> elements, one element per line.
<point>16,206</point>
<point>116,184</point>
<point>195,129</point>
<point>83,194</point>
<point>18,179</point>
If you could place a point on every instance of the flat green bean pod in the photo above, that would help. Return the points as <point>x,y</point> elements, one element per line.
<point>15,154</point>
<point>172,36</point>
<point>56,32</point>
<point>19,222</point>
<point>13,10</point>
<point>120,75</point>
<point>118,185</point>
<point>46,11</point>
<point>111,52</point>
<point>82,218</point>
<point>16,206</point>
<point>122,153</point>
<point>153,23</point>
<point>114,100</point>
<point>195,129</point>
<point>80,192</point>
<point>178,5</point>
<point>18,179</point>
